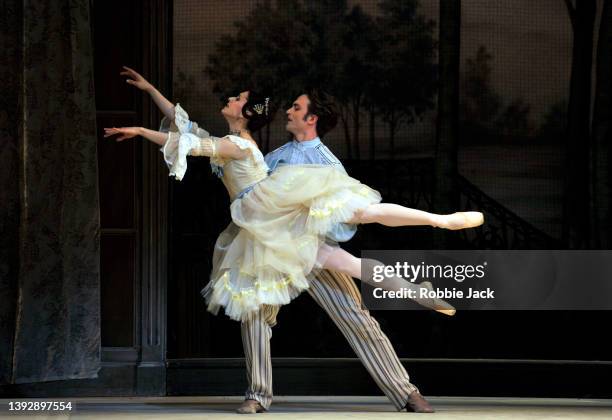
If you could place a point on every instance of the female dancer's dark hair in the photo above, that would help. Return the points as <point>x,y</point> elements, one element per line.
<point>257,111</point>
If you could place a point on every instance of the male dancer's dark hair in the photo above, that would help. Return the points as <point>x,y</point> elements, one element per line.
<point>323,106</point>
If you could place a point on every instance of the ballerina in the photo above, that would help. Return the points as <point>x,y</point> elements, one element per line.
<point>281,219</point>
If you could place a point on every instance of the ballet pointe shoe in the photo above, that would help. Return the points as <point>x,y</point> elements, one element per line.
<point>460,220</point>
<point>438,305</point>
<point>398,283</point>
<point>250,407</point>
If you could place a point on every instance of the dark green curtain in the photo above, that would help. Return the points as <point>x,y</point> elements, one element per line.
<point>49,220</point>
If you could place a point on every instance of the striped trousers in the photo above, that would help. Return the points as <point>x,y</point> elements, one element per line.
<point>338,295</point>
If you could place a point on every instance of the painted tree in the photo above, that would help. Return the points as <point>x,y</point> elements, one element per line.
<point>484,114</point>
<point>480,104</point>
<point>407,69</point>
<point>284,47</point>
<point>270,51</point>
<point>554,122</point>
<point>357,74</point>
<point>337,54</point>
<point>514,121</point>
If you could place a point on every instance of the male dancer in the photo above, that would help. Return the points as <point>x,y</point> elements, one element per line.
<point>309,116</point>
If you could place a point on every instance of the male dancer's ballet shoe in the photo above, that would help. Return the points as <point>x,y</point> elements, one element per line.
<point>436,304</point>
<point>418,404</point>
<point>461,220</point>
<point>250,407</point>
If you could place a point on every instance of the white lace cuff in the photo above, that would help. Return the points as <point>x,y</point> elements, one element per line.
<point>178,146</point>
<point>190,140</point>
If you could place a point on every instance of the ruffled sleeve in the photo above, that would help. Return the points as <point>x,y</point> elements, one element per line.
<point>179,145</point>
<point>181,123</point>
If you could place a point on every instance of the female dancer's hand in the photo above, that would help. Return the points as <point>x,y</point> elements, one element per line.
<point>136,79</point>
<point>124,132</point>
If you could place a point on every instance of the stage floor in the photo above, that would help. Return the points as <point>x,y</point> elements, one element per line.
<point>298,408</point>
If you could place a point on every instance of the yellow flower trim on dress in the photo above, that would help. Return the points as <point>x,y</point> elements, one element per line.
<point>237,295</point>
<point>334,205</point>
<point>327,210</point>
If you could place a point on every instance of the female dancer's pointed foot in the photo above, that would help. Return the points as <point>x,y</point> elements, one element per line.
<point>460,220</point>
<point>438,305</point>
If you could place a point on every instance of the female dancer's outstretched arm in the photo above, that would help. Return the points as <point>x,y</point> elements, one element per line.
<point>135,79</point>
<point>208,146</point>
<point>124,133</point>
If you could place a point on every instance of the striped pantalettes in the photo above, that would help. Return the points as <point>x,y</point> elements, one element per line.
<point>338,295</point>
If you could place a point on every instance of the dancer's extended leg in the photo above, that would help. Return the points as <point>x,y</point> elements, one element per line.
<point>389,214</point>
<point>337,259</point>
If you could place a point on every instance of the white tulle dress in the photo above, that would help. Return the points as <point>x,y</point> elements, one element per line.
<point>280,220</point>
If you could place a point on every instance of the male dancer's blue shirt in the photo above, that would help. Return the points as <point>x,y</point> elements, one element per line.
<point>311,152</point>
